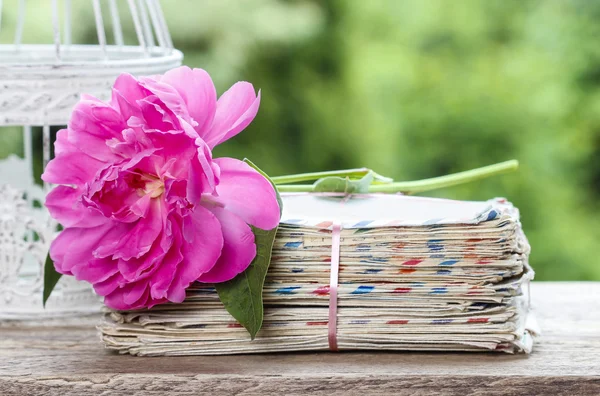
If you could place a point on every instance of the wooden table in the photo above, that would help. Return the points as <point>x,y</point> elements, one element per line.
<point>68,359</point>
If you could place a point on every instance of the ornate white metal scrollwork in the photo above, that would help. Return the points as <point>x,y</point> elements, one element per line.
<point>39,84</point>
<point>25,235</point>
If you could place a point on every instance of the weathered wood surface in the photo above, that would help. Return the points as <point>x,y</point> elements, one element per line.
<point>68,359</point>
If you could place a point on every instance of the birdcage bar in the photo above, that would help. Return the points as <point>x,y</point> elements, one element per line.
<point>67,23</point>
<point>147,29</point>
<point>20,24</point>
<point>158,28</point>
<point>28,148</point>
<point>56,28</point>
<point>163,22</point>
<point>46,148</point>
<point>116,22</point>
<point>100,27</point>
<point>0,15</point>
<point>138,26</point>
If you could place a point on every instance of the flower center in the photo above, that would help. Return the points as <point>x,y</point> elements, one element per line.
<point>146,184</point>
<point>155,188</point>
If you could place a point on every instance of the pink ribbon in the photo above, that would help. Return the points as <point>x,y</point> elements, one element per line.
<point>336,231</point>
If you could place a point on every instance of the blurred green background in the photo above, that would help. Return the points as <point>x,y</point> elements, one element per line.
<point>412,89</point>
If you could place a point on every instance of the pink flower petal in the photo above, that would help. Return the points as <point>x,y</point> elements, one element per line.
<point>74,246</point>
<point>72,168</point>
<point>92,124</point>
<point>163,276</point>
<point>95,270</point>
<point>64,206</point>
<point>238,251</point>
<point>125,94</point>
<point>168,99</point>
<point>143,267</point>
<point>202,245</point>
<point>114,300</point>
<point>131,296</point>
<point>134,292</point>
<point>109,285</point>
<point>203,175</point>
<point>62,144</point>
<point>157,119</point>
<point>115,192</point>
<point>141,236</point>
<point>245,192</point>
<point>236,109</point>
<point>197,91</point>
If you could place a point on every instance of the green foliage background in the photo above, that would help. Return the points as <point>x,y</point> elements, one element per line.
<point>419,88</point>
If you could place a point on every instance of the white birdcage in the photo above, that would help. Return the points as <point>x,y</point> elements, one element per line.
<point>39,84</point>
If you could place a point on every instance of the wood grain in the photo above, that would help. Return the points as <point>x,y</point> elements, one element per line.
<point>66,358</point>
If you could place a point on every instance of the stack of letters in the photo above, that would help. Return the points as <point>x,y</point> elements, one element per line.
<point>415,273</point>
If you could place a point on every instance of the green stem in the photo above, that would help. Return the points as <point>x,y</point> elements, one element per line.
<point>318,175</point>
<point>295,188</point>
<point>448,180</point>
<point>433,183</point>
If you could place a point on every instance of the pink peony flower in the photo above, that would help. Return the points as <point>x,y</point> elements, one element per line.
<point>145,208</point>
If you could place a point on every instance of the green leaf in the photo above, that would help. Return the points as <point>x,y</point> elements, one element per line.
<point>51,277</point>
<point>242,296</point>
<point>380,179</point>
<point>344,185</point>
